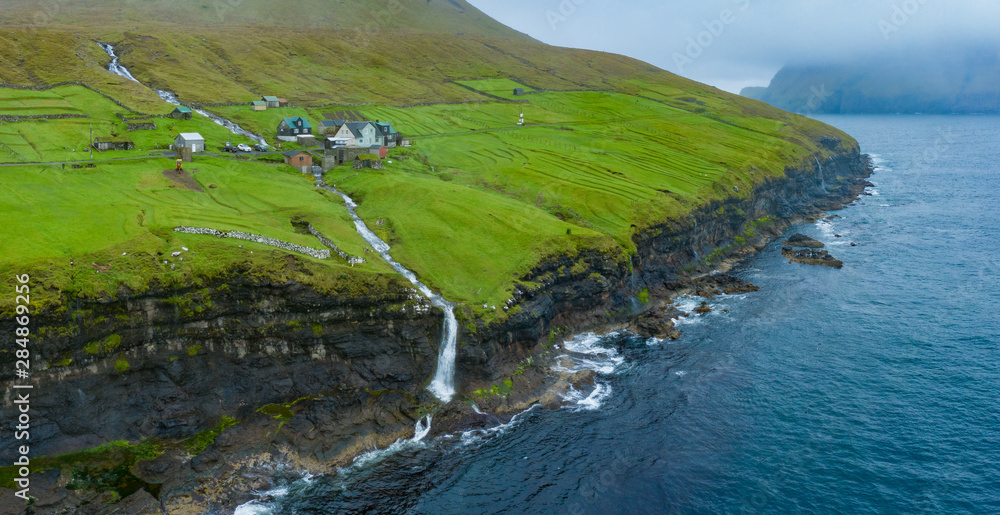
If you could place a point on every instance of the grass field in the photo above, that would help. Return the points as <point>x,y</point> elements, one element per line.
<point>499,87</point>
<point>121,216</point>
<point>472,206</point>
<point>614,145</point>
<point>69,139</point>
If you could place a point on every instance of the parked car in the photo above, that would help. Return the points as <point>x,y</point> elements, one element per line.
<point>260,147</point>
<point>244,147</point>
<point>229,148</point>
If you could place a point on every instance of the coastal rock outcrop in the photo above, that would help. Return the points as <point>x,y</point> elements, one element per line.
<point>801,240</point>
<point>811,257</point>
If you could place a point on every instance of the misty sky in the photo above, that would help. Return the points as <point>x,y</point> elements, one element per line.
<point>735,43</point>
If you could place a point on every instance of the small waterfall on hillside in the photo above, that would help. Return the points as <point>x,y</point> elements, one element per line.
<point>171,98</point>
<point>114,67</point>
<point>443,384</point>
<point>822,176</point>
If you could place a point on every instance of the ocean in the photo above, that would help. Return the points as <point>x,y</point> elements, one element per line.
<point>870,389</point>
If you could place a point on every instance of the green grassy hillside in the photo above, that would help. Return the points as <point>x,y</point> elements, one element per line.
<point>611,146</point>
<point>361,16</point>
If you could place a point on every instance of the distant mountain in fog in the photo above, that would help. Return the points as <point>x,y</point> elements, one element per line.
<point>926,81</point>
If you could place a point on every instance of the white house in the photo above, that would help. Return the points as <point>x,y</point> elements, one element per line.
<point>190,139</point>
<point>358,134</point>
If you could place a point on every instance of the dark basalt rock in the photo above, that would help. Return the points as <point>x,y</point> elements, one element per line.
<point>657,323</point>
<point>351,366</point>
<point>703,308</point>
<point>801,240</point>
<point>811,257</point>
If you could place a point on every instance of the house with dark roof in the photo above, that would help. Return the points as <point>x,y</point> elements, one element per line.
<point>181,113</point>
<point>272,101</point>
<point>291,128</point>
<point>390,137</point>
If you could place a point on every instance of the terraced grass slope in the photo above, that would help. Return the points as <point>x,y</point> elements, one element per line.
<point>610,145</point>
<point>32,140</point>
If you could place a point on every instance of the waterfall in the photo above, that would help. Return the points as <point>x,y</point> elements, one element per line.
<point>114,67</point>
<point>443,384</point>
<point>822,176</point>
<point>171,98</point>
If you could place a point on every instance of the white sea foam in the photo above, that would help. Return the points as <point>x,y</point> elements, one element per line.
<point>589,402</point>
<point>252,508</point>
<point>473,436</point>
<point>260,507</point>
<point>586,353</point>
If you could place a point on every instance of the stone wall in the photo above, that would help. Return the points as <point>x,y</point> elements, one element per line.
<point>284,245</point>
<point>17,118</point>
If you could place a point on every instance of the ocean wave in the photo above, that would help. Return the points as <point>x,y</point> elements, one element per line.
<point>585,352</point>
<point>262,505</point>
<point>582,401</point>
<point>474,436</point>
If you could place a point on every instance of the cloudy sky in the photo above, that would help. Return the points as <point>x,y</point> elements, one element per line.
<point>735,43</point>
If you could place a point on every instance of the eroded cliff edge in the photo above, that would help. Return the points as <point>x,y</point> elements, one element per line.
<point>311,380</point>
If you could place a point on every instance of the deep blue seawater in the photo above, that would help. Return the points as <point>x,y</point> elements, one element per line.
<point>870,389</point>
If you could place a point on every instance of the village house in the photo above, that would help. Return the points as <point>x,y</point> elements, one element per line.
<point>357,134</point>
<point>390,137</point>
<point>181,113</point>
<point>518,92</point>
<point>258,105</point>
<point>291,128</point>
<point>191,140</point>
<point>113,144</point>
<point>272,102</point>
<point>282,102</point>
<point>301,161</point>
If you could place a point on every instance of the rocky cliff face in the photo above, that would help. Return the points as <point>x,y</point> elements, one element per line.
<point>311,379</point>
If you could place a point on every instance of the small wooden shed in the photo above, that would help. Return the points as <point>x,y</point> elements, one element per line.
<point>258,105</point>
<point>181,113</point>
